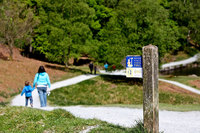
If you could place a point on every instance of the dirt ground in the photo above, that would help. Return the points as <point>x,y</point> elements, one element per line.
<point>14,73</point>
<point>165,87</point>
<point>195,83</point>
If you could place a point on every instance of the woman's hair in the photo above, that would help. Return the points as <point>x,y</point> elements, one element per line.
<point>41,69</point>
<point>26,83</point>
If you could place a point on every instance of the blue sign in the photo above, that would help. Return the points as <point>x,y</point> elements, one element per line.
<point>134,66</point>
<point>133,61</point>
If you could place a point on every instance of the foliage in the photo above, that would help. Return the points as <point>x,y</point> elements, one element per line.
<point>64,31</point>
<point>136,24</point>
<point>169,57</point>
<point>109,30</point>
<point>17,22</point>
<point>187,14</point>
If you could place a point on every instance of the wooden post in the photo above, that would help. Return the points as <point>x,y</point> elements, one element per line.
<point>150,89</point>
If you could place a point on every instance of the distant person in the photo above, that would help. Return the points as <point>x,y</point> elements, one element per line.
<point>42,81</point>
<point>91,67</point>
<point>106,67</point>
<point>28,93</point>
<point>95,69</point>
<point>113,67</point>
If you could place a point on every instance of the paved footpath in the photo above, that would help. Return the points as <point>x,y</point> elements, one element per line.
<point>182,86</point>
<point>182,62</point>
<point>19,100</point>
<point>169,121</point>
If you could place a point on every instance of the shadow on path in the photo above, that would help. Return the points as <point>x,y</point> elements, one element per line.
<point>117,79</point>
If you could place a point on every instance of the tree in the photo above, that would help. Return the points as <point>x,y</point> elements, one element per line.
<point>136,24</point>
<point>64,31</point>
<point>17,21</point>
<point>108,30</point>
<point>187,14</point>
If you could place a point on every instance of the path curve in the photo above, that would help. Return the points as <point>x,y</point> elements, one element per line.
<point>19,100</point>
<point>169,121</point>
<point>123,73</point>
<point>182,62</point>
<point>181,85</point>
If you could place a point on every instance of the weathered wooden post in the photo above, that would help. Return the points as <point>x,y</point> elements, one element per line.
<point>150,89</point>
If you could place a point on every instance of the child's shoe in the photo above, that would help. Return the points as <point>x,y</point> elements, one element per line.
<point>32,105</point>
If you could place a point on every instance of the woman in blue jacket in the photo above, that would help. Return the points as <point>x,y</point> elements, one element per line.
<point>42,81</point>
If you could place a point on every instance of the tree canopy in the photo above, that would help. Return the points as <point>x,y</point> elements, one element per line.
<point>17,22</point>
<point>108,30</point>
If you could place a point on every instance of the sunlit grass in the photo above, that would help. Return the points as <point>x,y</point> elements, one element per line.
<point>96,92</point>
<point>22,119</point>
<point>179,107</point>
<point>162,106</point>
<point>110,90</point>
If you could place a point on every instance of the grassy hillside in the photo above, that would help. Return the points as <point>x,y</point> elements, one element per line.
<point>115,90</point>
<point>34,120</point>
<point>14,73</point>
<point>193,81</point>
<point>103,90</point>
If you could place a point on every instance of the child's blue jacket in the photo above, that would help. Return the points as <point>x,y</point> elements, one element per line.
<point>27,90</point>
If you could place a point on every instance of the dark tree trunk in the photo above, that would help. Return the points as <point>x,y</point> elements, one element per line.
<point>10,44</point>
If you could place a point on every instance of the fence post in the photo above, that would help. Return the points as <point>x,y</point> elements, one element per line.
<point>150,89</point>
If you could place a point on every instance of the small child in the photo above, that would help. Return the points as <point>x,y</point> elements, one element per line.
<point>28,93</point>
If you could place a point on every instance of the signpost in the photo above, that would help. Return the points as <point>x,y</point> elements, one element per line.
<point>150,89</point>
<point>134,66</point>
<point>146,67</point>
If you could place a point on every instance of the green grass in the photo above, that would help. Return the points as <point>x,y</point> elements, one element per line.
<point>162,106</point>
<point>182,79</point>
<point>138,128</point>
<point>179,107</point>
<point>22,119</point>
<point>98,91</point>
<point>176,98</point>
<point>111,90</point>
